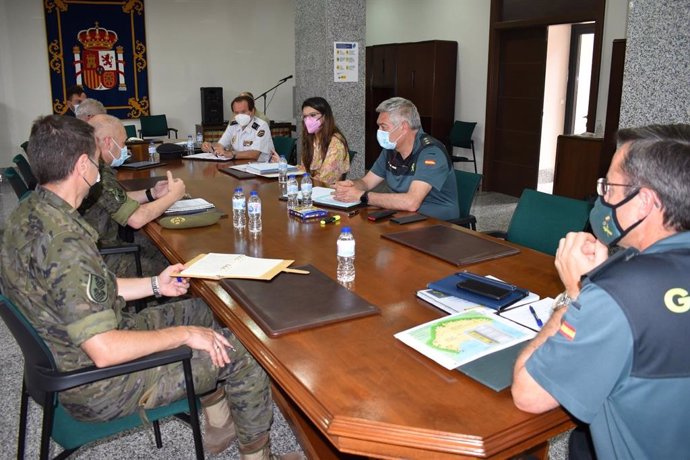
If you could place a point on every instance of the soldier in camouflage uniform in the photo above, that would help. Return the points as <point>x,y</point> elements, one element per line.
<point>52,271</point>
<point>108,206</point>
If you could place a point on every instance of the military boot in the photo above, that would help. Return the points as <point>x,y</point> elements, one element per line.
<point>261,450</point>
<point>219,430</point>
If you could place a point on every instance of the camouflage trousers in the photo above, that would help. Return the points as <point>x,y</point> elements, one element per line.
<point>246,383</point>
<point>152,261</point>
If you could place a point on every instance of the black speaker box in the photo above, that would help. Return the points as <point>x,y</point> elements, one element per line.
<point>211,105</point>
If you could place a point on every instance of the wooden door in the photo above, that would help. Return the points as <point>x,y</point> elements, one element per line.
<point>381,85</point>
<point>514,164</point>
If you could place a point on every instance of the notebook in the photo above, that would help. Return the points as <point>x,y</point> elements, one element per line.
<point>454,246</point>
<point>142,165</point>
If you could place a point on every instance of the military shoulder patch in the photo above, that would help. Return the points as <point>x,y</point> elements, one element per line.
<point>260,133</point>
<point>429,162</point>
<point>96,289</point>
<point>119,194</point>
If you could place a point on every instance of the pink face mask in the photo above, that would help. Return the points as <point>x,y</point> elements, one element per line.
<point>312,124</point>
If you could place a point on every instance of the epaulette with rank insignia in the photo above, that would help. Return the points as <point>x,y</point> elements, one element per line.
<point>255,126</point>
<point>427,141</point>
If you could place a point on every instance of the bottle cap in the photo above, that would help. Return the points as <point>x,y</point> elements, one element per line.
<point>253,192</point>
<point>346,230</point>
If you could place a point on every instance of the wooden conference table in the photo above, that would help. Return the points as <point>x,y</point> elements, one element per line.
<point>351,387</point>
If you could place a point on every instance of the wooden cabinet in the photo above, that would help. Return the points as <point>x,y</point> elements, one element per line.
<point>577,166</point>
<point>423,72</point>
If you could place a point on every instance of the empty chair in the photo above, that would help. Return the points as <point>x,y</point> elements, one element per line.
<point>154,126</point>
<point>285,147</point>
<point>16,181</point>
<point>131,131</point>
<point>461,136</point>
<point>25,170</point>
<point>540,220</point>
<point>468,184</point>
<point>43,381</point>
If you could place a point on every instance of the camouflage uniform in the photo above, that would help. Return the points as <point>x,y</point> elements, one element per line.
<point>52,271</point>
<point>106,208</point>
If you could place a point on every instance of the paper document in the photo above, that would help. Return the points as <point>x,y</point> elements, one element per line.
<point>521,314</point>
<point>189,206</point>
<point>458,339</point>
<point>205,156</point>
<point>323,196</point>
<point>217,266</point>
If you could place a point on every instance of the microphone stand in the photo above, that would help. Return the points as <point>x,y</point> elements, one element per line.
<point>269,90</point>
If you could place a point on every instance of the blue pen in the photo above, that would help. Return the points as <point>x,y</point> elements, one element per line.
<point>536,318</point>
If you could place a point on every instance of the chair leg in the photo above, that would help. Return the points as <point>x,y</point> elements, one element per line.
<point>65,453</point>
<point>193,411</point>
<point>23,411</point>
<point>47,429</point>
<point>157,434</point>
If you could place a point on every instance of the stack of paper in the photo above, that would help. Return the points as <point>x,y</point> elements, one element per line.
<point>267,168</point>
<point>190,206</point>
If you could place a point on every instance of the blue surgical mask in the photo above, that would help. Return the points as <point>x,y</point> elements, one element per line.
<point>384,139</point>
<point>605,224</point>
<point>124,155</point>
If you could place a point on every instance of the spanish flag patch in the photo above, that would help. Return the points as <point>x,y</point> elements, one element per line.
<point>430,162</point>
<point>567,330</point>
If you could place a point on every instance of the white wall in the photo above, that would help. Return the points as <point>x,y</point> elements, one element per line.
<point>238,45</point>
<point>464,21</point>
<point>467,22</point>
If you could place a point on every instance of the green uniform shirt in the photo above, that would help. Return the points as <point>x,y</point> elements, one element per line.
<point>108,205</point>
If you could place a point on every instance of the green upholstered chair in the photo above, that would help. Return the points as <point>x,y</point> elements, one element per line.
<point>131,131</point>
<point>155,126</point>
<point>25,170</point>
<point>468,184</point>
<point>461,136</point>
<point>16,181</point>
<point>540,220</point>
<point>43,381</point>
<point>285,147</point>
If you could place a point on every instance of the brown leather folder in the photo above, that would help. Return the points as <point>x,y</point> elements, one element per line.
<point>453,246</point>
<point>292,302</point>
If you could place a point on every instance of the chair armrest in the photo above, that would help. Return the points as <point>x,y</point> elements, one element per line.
<point>172,129</point>
<point>52,381</point>
<point>119,249</point>
<point>497,234</point>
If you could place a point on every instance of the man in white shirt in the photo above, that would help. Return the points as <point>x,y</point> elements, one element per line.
<point>246,137</point>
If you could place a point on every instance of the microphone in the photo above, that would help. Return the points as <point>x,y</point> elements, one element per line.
<point>286,78</point>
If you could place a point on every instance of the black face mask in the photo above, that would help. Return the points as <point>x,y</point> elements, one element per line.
<point>605,224</point>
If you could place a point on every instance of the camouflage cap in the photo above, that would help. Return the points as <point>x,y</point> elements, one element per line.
<point>201,219</point>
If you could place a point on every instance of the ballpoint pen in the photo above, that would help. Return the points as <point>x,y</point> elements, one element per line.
<point>536,318</point>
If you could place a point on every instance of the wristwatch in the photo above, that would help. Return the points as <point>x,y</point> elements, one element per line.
<point>364,199</point>
<point>563,300</point>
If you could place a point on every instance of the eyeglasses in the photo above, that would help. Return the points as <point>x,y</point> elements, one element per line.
<point>603,186</point>
<point>311,115</point>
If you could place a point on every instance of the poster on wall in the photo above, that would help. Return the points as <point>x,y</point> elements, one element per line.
<point>100,45</point>
<point>345,61</point>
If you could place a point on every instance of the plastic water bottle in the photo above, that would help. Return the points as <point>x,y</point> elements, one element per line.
<point>292,190</point>
<point>152,151</point>
<point>254,212</point>
<point>199,138</point>
<point>346,256</point>
<point>305,187</point>
<point>190,145</point>
<point>282,175</point>
<point>239,205</point>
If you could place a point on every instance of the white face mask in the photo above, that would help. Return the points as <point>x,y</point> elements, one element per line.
<point>243,119</point>
<point>124,155</point>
